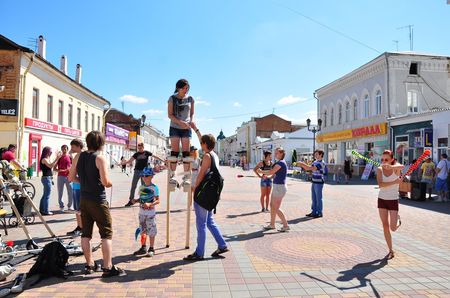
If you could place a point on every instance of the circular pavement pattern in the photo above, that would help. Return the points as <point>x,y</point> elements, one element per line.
<point>316,249</point>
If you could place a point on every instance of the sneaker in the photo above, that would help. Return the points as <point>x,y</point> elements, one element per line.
<point>268,227</point>
<point>48,213</point>
<point>70,209</point>
<point>61,209</point>
<point>284,229</point>
<point>267,210</point>
<point>141,251</point>
<point>219,251</point>
<point>91,269</point>
<point>129,204</point>
<point>193,257</point>
<point>186,183</point>
<point>150,252</point>
<point>75,232</point>
<point>310,214</point>
<point>263,209</point>
<point>317,215</point>
<point>114,271</point>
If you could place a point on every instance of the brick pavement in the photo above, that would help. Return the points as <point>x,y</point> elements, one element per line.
<point>339,255</point>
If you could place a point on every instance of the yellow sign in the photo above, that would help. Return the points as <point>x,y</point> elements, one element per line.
<point>132,144</point>
<point>365,131</point>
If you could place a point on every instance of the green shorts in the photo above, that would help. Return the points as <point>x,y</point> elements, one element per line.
<point>98,212</point>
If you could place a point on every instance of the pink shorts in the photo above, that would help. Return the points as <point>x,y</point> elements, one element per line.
<point>388,204</point>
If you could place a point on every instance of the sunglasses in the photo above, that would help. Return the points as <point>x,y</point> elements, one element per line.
<point>384,159</point>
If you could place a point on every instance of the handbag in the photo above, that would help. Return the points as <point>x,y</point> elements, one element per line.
<point>207,193</point>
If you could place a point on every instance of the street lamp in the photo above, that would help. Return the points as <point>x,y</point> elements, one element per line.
<point>141,124</point>
<point>314,129</point>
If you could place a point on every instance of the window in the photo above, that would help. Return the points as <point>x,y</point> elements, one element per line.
<point>378,103</point>
<point>98,123</point>
<point>79,118</point>
<point>366,106</point>
<point>60,112</point>
<point>340,114</point>
<point>35,108</point>
<point>413,69</point>
<point>355,109</point>
<point>332,117</point>
<point>86,115</point>
<point>325,119</point>
<point>93,121</point>
<point>412,102</point>
<point>347,111</point>
<point>49,108</point>
<point>69,115</point>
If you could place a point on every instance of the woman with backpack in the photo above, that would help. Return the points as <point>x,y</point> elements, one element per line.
<point>279,171</point>
<point>46,166</point>
<point>266,182</point>
<point>204,218</point>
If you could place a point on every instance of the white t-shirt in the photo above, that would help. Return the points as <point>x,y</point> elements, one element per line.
<point>444,166</point>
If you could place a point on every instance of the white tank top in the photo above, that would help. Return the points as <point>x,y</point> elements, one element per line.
<point>390,192</point>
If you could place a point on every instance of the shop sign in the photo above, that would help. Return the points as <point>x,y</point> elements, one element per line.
<point>115,131</point>
<point>428,137</point>
<point>41,125</point>
<point>370,130</point>
<point>70,131</point>
<point>115,140</point>
<point>132,140</point>
<point>8,107</point>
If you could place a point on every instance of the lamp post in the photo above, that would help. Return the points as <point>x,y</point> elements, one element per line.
<point>314,130</point>
<point>140,125</point>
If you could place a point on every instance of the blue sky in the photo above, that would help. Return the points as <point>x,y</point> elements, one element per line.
<point>242,58</point>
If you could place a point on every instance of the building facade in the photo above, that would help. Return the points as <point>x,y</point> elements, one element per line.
<point>361,110</point>
<point>43,106</point>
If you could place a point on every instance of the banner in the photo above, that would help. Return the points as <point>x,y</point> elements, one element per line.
<point>367,171</point>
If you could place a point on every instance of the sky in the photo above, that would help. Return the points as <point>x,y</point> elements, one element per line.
<point>242,58</point>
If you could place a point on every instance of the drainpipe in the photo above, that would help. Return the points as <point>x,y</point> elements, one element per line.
<point>388,99</point>
<point>21,106</point>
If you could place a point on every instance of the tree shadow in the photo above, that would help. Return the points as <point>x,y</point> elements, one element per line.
<point>358,272</point>
<point>243,214</point>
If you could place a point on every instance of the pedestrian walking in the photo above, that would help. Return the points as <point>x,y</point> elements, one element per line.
<point>279,189</point>
<point>204,218</point>
<point>318,168</point>
<point>76,146</point>
<point>427,171</point>
<point>62,167</point>
<point>92,171</point>
<point>123,164</point>
<point>148,199</point>
<point>141,158</point>
<point>46,166</point>
<point>442,171</point>
<point>180,111</point>
<point>388,178</point>
<point>266,182</point>
<point>348,169</point>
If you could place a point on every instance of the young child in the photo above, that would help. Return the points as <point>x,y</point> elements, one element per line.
<point>148,199</point>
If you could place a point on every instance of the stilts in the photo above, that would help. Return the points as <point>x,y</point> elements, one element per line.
<point>187,187</point>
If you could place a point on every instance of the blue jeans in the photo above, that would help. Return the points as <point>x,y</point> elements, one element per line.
<point>316,195</point>
<point>47,183</point>
<point>136,178</point>
<point>76,199</point>
<point>60,183</point>
<point>205,219</point>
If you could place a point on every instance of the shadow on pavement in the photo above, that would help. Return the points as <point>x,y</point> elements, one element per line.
<point>358,272</point>
<point>427,205</point>
<point>299,220</point>
<point>245,237</point>
<point>243,214</point>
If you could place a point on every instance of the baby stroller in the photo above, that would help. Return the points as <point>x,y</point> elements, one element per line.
<point>24,208</point>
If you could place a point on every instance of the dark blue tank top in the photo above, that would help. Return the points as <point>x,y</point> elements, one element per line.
<point>280,175</point>
<point>91,187</point>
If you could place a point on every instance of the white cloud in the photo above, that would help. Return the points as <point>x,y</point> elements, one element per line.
<point>134,99</point>
<point>293,120</point>
<point>290,99</point>
<point>237,104</point>
<point>152,112</point>
<point>198,101</point>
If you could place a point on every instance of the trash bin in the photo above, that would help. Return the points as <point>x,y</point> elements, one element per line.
<point>418,191</point>
<point>30,171</point>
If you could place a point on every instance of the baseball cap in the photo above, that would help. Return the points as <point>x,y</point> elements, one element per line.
<point>147,172</point>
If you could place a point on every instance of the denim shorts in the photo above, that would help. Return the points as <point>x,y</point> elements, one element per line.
<point>179,133</point>
<point>266,182</point>
<point>441,185</point>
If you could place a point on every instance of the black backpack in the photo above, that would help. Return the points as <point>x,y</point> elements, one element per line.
<point>51,261</point>
<point>207,194</point>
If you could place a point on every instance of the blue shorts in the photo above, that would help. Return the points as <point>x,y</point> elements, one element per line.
<point>179,133</point>
<point>441,185</point>
<point>266,182</point>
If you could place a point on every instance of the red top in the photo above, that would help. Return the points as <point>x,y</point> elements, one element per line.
<point>8,155</point>
<point>64,163</point>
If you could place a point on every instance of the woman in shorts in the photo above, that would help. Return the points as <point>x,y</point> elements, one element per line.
<point>266,182</point>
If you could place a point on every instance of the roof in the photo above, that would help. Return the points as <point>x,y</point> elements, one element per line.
<point>419,114</point>
<point>7,44</point>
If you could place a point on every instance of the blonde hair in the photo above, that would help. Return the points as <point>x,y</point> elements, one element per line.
<point>281,150</point>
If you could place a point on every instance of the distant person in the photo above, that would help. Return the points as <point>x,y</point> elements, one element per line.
<point>46,166</point>
<point>279,190</point>
<point>442,171</point>
<point>76,146</point>
<point>92,171</point>
<point>427,172</point>
<point>10,156</point>
<point>123,164</point>
<point>348,169</point>
<point>318,168</point>
<point>388,178</point>
<point>62,167</point>
<point>266,182</point>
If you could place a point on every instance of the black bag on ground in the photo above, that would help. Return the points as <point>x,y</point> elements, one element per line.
<point>51,262</point>
<point>207,194</point>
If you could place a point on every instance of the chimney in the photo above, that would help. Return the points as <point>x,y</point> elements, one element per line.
<point>63,66</point>
<point>78,74</point>
<point>41,46</point>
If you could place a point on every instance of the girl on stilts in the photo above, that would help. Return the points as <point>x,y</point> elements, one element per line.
<point>388,178</point>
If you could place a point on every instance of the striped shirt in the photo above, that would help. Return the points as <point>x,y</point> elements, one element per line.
<point>317,175</point>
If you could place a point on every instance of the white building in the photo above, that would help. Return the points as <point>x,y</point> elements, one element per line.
<point>154,140</point>
<point>50,107</point>
<point>228,149</point>
<point>362,110</point>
